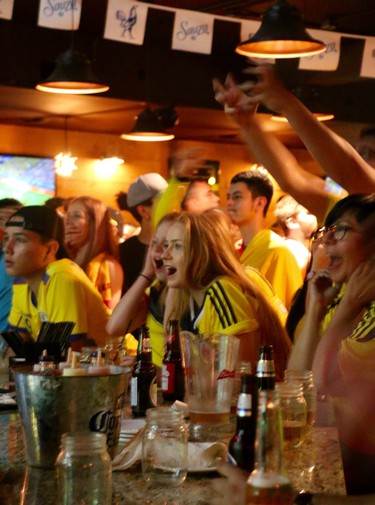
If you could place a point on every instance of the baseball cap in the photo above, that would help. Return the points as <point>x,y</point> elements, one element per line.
<point>40,219</point>
<point>145,186</point>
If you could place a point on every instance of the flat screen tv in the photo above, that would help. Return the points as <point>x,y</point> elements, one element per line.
<point>29,179</point>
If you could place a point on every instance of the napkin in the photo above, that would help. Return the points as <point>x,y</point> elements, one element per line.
<point>202,456</point>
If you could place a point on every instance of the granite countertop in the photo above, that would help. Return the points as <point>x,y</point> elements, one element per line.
<point>316,466</point>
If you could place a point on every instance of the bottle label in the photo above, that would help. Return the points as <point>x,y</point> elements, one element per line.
<point>154,392</point>
<point>134,391</point>
<point>226,374</point>
<point>168,377</point>
<point>244,403</point>
<point>265,368</point>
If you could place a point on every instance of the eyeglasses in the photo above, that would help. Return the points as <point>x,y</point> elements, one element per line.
<point>335,231</point>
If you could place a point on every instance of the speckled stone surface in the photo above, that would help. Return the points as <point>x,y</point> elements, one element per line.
<point>316,466</point>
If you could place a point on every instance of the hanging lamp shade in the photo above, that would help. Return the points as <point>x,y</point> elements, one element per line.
<point>73,75</point>
<point>148,128</point>
<point>282,34</point>
<point>320,116</point>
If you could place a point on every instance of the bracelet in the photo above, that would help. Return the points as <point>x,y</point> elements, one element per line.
<point>145,277</point>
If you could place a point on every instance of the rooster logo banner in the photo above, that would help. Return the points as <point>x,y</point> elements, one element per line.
<point>126,21</point>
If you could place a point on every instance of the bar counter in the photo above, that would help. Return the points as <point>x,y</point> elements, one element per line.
<point>316,467</point>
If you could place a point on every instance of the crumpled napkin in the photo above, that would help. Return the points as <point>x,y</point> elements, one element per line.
<point>202,456</point>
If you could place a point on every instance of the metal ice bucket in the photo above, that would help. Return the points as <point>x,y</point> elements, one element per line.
<point>50,406</point>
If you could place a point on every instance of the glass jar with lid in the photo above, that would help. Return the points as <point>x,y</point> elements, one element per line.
<point>84,469</point>
<point>293,412</point>
<point>165,447</point>
<point>309,391</point>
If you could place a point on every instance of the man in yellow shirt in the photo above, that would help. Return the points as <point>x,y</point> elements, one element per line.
<point>46,287</point>
<point>248,198</point>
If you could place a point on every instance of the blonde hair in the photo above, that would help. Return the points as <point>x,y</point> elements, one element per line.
<point>210,254</point>
<point>101,239</point>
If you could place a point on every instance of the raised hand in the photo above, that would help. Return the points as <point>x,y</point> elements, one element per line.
<point>233,97</point>
<point>265,88</point>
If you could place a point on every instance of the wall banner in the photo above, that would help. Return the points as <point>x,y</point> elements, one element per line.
<point>6,9</point>
<point>327,61</point>
<point>368,60</point>
<point>126,21</point>
<point>60,15</point>
<point>192,31</point>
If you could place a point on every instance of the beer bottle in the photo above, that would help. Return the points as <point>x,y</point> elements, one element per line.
<point>173,380</point>
<point>143,387</point>
<point>266,368</point>
<point>268,483</point>
<point>241,446</point>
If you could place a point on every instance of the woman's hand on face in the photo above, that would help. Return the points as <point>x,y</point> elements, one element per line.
<point>148,267</point>
<point>360,289</point>
<point>322,290</point>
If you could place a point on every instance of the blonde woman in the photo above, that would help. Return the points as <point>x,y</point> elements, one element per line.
<point>209,290</point>
<point>90,242</point>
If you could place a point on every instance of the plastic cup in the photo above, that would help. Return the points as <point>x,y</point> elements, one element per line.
<point>209,362</point>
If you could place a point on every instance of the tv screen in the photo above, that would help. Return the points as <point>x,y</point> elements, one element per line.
<point>29,179</point>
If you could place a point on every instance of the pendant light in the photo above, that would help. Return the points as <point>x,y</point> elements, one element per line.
<point>73,74</point>
<point>150,125</point>
<point>282,34</point>
<point>320,116</point>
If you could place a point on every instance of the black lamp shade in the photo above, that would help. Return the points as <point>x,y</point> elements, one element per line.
<point>74,75</point>
<point>282,34</point>
<point>148,128</point>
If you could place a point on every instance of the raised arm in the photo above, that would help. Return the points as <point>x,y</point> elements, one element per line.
<point>132,309</point>
<point>321,293</point>
<point>335,155</point>
<point>359,292</point>
<point>306,188</point>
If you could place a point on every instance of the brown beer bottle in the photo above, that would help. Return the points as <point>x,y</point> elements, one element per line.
<point>268,483</point>
<point>241,446</point>
<point>173,380</point>
<point>143,387</point>
<point>266,368</point>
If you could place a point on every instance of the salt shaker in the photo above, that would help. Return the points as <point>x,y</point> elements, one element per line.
<point>84,469</point>
<point>165,447</point>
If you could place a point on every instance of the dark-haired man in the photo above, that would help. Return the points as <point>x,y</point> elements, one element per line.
<point>47,286</point>
<point>248,198</point>
<point>139,202</point>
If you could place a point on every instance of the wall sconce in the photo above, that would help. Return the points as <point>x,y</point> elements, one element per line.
<point>65,164</point>
<point>150,125</point>
<point>73,75</point>
<point>281,34</point>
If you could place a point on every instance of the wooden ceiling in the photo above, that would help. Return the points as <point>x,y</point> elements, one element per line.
<point>157,75</point>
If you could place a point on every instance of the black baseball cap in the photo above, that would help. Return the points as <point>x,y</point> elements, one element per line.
<point>43,220</point>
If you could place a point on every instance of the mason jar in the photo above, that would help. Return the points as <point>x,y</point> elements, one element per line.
<point>309,391</point>
<point>165,447</point>
<point>293,412</point>
<point>84,469</point>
